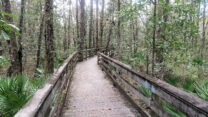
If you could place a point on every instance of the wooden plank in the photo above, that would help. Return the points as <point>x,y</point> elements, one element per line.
<point>107,71</point>
<point>149,103</point>
<point>39,104</point>
<point>185,102</point>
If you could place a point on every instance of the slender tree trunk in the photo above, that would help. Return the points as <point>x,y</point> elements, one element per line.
<point>91,24</point>
<point>69,26</point>
<point>40,41</point>
<point>109,34</point>
<point>154,35</point>
<point>97,32</point>
<point>65,36</point>
<point>21,20</point>
<point>77,18</point>
<point>119,30</point>
<point>135,36</point>
<point>49,37</point>
<point>1,49</point>
<point>198,22</point>
<point>14,68</point>
<point>82,28</point>
<point>101,23</point>
<point>65,29</point>
<point>204,31</point>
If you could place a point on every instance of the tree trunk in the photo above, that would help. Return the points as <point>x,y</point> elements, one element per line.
<point>91,24</point>
<point>69,26</point>
<point>77,19</point>
<point>204,31</point>
<point>101,23</point>
<point>1,49</point>
<point>65,36</point>
<point>153,38</point>
<point>82,28</point>
<point>109,34</point>
<point>40,39</point>
<point>14,68</point>
<point>49,37</point>
<point>21,20</point>
<point>135,36</point>
<point>119,30</point>
<point>97,32</point>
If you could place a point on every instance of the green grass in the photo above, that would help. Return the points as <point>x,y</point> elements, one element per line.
<point>188,85</point>
<point>201,89</point>
<point>172,110</point>
<point>145,91</point>
<point>172,80</point>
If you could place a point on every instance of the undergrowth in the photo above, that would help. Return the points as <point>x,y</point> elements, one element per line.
<point>15,93</point>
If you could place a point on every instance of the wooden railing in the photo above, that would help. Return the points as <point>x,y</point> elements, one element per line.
<point>129,82</point>
<point>49,100</point>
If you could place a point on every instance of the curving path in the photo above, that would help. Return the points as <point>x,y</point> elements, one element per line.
<point>93,95</point>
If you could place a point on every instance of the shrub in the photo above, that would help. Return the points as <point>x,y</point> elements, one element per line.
<point>172,80</point>
<point>202,90</point>
<point>14,93</point>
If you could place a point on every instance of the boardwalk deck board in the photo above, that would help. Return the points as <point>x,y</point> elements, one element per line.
<point>93,95</point>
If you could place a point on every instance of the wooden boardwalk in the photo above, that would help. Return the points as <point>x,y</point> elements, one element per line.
<point>93,95</point>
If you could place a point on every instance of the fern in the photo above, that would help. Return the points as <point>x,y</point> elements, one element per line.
<point>202,90</point>
<point>172,110</point>
<point>14,93</point>
<point>145,91</point>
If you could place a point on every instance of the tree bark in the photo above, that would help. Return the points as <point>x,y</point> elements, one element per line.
<point>97,32</point>
<point>101,23</point>
<point>136,34</point>
<point>65,36</point>
<point>91,24</point>
<point>40,37</point>
<point>82,28</point>
<point>21,20</point>
<point>204,31</point>
<point>109,34</point>
<point>14,68</point>
<point>49,37</point>
<point>77,18</point>
<point>69,26</point>
<point>119,30</point>
<point>154,35</point>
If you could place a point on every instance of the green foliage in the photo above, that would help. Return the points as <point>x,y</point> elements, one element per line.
<point>4,61</point>
<point>198,61</point>
<point>145,91</point>
<point>58,61</point>
<point>188,85</point>
<point>14,93</point>
<point>172,110</point>
<point>7,29</point>
<point>139,57</point>
<point>135,60</point>
<point>172,80</point>
<point>38,82</point>
<point>202,90</point>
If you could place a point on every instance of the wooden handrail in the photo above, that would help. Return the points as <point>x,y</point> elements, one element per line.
<point>39,104</point>
<point>183,101</point>
<point>49,100</point>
